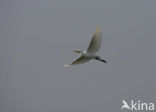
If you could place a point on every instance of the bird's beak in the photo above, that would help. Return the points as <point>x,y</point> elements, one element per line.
<point>77,51</point>
<point>74,51</point>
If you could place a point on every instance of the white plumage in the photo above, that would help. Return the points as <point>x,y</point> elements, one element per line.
<point>90,53</point>
<point>96,41</point>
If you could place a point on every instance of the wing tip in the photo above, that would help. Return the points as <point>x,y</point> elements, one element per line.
<point>98,29</point>
<point>66,65</point>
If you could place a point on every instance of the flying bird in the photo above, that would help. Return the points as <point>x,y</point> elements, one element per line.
<point>90,53</point>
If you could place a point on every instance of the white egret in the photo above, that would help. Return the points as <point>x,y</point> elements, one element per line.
<point>90,53</point>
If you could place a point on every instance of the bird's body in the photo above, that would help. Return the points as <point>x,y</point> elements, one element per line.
<point>90,53</point>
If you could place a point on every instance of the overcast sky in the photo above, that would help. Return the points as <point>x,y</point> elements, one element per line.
<point>37,37</point>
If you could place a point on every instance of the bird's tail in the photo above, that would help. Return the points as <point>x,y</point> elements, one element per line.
<point>98,58</point>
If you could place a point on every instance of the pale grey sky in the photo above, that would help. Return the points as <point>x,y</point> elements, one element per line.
<point>37,38</point>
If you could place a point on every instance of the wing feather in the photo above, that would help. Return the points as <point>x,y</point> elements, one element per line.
<point>95,43</point>
<point>80,60</point>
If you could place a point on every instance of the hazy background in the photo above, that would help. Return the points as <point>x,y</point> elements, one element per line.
<point>37,38</point>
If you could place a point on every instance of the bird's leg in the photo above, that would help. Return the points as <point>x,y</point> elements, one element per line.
<point>98,58</point>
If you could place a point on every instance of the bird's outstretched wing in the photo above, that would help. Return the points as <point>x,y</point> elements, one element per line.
<point>80,60</point>
<point>95,43</point>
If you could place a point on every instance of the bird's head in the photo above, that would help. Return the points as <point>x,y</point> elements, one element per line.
<point>77,51</point>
